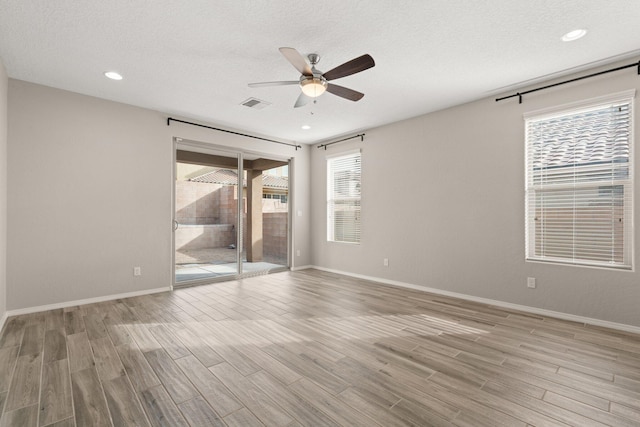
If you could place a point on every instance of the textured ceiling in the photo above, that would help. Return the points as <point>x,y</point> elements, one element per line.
<point>194,58</point>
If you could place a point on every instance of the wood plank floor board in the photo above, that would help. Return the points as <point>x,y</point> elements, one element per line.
<point>89,404</point>
<point>25,383</point>
<point>32,340</point>
<point>590,412</point>
<point>73,322</point>
<point>107,361</point>
<point>94,326</point>
<point>80,354</point>
<point>123,404</point>
<point>118,333</point>
<point>242,418</point>
<point>252,397</point>
<point>312,348</point>
<point>306,367</point>
<point>201,350</point>
<point>137,368</point>
<point>520,380</point>
<point>55,392</point>
<point>527,408</point>
<point>54,319</point>
<point>501,403</point>
<point>419,414</point>
<point>330,404</point>
<point>161,409</point>
<point>8,359</point>
<point>232,355</point>
<point>175,382</point>
<point>26,416</point>
<point>380,413</point>
<point>69,422</point>
<point>199,413</point>
<point>279,370</point>
<point>169,342</point>
<point>625,411</point>
<point>12,332</point>
<point>143,337</point>
<point>211,388</point>
<point>55,345</point>
<point>304,412</point>
<point>628,383</point>
<point>371,381</point>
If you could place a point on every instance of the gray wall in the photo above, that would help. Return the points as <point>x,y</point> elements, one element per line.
<point>443,199</point>
<point>90,195</point>
<point>3,189</point>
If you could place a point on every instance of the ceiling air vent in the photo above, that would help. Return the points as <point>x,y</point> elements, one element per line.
<point>256,104</point>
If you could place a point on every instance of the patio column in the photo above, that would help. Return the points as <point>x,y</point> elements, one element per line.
<point>254,215</point>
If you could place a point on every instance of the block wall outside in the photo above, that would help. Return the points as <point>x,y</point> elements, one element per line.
<point>274,232</point>
<point>207,214</point>
<point>202,236</point>
<point>198,203</point>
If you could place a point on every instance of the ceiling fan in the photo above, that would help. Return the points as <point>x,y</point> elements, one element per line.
<point>314,82</point>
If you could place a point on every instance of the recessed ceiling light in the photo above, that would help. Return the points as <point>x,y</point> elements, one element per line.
<point>574,35</point>
<point>113,75</point>
<point>306,127</point>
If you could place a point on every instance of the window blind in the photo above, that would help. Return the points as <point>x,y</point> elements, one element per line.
<point>343,198</point>
<point>579,186</point>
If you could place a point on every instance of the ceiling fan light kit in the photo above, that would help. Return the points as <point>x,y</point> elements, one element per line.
<point>313,86</point>
<point>314,83</point>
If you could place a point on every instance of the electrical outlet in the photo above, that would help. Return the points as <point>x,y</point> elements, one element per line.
<point>385,262</point>
<point>298,252</point>
<point>137,271</point>
<point>531,282</point>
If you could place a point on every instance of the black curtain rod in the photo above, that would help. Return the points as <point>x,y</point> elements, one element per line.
<point>361,136</point>
<point>519,94</point>
<point>171,119</point>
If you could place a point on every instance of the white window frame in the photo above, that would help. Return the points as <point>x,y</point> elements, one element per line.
<point>331,232</point>
<point>628,183</point>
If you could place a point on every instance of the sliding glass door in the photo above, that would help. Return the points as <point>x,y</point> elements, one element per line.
<point>231,214</point>
<point>206,226</point>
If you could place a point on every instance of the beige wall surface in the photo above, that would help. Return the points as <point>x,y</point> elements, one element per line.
<point>90,195</point>
<point>443,200</point>
<point>3,188</point>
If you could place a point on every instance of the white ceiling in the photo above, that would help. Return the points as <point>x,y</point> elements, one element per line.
<point>194,58</point>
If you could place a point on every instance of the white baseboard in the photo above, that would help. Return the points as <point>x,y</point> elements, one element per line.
<point>497,303</point>
<point>47,307</point>
<point>303,267</point>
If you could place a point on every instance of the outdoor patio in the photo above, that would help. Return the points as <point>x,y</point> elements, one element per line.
<point>196,264</point>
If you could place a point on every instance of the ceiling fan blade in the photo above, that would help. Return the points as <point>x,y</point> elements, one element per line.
<point>294,57</point>
<point>283,83</point>
<point>302,100</point>
<point>354,66</point>
<point>345,92</point>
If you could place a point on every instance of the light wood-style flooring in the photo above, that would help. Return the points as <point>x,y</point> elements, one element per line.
<point>315,349</point>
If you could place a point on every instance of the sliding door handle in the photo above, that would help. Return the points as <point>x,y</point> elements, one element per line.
<point>175,225</point>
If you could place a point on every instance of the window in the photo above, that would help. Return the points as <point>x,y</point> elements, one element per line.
<point>579,184</point>
<point>343,198</point>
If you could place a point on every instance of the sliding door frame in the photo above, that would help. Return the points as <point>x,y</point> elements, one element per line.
<point>205,148</point>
